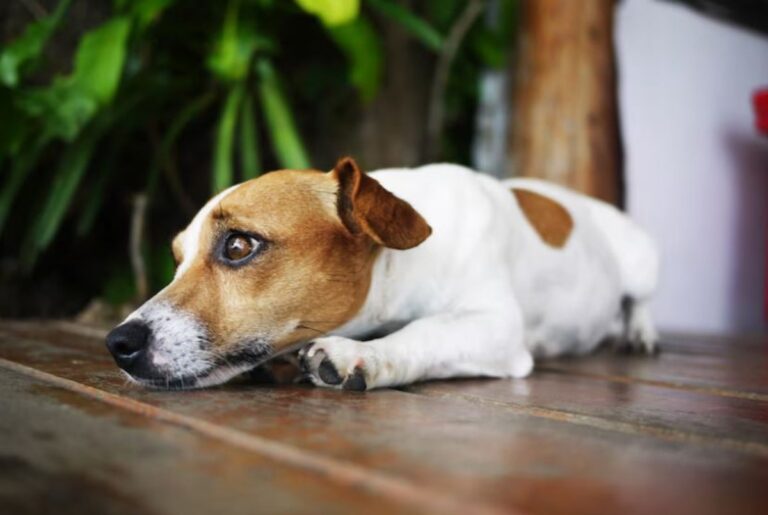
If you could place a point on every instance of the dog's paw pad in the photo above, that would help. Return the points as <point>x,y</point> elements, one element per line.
<point>355,381</point>
<point>327,371</point>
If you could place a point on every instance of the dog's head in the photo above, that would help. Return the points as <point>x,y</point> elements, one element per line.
<point>263,267</point>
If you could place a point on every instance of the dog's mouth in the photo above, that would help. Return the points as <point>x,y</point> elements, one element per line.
<point>213,377</point>
<point>220,370</point>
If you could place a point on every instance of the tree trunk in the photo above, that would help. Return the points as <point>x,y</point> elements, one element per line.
<point>565,116</point>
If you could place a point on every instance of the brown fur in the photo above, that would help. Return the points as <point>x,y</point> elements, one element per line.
<point>315,271</point>
<point>549,219</point>
<point>176,250</point>
<point>364,205</point>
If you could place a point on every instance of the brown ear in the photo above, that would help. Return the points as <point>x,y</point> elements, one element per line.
<point>365,206</point>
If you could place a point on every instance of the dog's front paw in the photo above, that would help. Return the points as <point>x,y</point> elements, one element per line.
<point>336,362</point>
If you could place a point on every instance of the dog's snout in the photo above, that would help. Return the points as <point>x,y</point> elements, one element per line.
<point>128,342</point>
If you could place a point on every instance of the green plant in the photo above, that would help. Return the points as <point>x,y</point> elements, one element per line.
<point>114,77</point>
<point>146,76</point>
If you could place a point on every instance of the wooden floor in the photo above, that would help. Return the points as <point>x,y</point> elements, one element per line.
<point>682,432</point>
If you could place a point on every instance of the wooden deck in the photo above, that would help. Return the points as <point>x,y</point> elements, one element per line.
<point>682,432</point>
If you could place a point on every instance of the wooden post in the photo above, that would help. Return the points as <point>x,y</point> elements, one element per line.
<point>565,116</point>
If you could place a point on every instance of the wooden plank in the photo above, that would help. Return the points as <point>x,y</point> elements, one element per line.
<point>61,452</point>
<point>740,345</point>
<point>678,415</point>
<point>734,374</point>
<point>478,452</point>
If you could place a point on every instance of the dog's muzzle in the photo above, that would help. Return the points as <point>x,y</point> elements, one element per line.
<point>161,346</point>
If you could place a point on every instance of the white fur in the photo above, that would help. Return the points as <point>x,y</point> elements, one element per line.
<point>179,340</point>
<point>190,243</point>
<point>484,294</point>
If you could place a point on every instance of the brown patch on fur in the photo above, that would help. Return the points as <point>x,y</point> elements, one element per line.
<point>364,205</point>
<point>549,219</point>
<point>314,272</point>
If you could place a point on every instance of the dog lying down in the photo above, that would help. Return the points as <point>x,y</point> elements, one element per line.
<point>390,278</point>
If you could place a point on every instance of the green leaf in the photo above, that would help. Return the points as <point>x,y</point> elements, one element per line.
<point>223,176</point>
<point>71,101</point>
<point>417,26</point>
<point>234,47</point>
<point>15,125</point>
<point>66,179</point>
<point>285,138</point>
<point>360,45</point>
<point>443,14</point>
<point>29,46</point>
<point>95,199</point>
<point>99,59</point>
<point>179,123</point>
<point>97,193</point>
<point>63,108</point>
<point>19,171</point>
<point>250,160</point>
<point>332,12</point>
<point>146,12</point>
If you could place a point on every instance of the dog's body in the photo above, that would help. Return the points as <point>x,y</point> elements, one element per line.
<point>511,270</point>
<point>485,292</point>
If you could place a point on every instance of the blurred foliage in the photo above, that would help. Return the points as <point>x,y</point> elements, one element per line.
<point>155,68</point>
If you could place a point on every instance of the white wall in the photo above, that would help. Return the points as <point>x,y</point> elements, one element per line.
<point>697,172</point>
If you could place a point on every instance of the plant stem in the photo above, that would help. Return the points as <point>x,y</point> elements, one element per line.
<point>436,113</point>
<point>138,218</point>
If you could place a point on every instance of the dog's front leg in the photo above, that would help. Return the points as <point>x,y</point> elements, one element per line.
<point>468,344</point>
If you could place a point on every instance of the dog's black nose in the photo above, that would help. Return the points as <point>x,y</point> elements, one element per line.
<point>128,343</point>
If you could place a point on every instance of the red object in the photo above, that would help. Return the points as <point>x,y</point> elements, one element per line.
<point>760,103</point>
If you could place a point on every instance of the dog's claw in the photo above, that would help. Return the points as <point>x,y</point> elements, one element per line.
<point>355,381</point>
<point>304,362</point>
<point>313,363</point>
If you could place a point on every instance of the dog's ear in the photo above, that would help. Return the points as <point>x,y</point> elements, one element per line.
<point>365,206</point>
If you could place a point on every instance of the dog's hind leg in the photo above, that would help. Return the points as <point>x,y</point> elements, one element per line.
<point>637,332</point>
<point>638,261</point>
<point>640,330</point>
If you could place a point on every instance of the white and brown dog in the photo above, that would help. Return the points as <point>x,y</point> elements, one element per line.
<point>390,278</point>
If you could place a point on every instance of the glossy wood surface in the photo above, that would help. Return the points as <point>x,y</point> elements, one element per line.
<point>685,431</point>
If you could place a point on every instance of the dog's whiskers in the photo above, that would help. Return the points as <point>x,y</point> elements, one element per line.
<point>329,322</point>
<point>304,326</point>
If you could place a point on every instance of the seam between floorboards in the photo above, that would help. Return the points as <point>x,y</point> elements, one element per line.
<point>708,390</point>
<point>662,433</point>
<point>343,473</point>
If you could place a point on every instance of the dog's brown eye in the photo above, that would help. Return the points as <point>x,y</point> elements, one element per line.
<point>239,246</point>
<point>236,248</point>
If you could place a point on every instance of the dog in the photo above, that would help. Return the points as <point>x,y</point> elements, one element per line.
<point>389,278</point>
